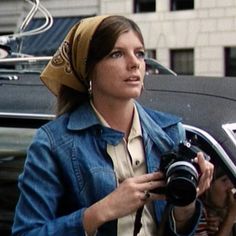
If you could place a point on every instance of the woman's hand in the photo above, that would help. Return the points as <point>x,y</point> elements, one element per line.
<point>130,195</point>
<point>231,203</point>
<point>206,175</point>
<point>213,224</point>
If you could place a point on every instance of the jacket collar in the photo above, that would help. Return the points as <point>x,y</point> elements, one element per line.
<point>89,117</point>
<point>152,123</point>
<point>84,117</point>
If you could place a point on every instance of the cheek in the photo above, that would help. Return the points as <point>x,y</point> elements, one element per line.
<point>102,80</point>
<point>107,70</point>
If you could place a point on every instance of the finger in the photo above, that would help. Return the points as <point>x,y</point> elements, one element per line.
<point>212,229</point>
<point>200,160</point>
<point>152,185</point>
<point>149,177</point>
<point>231,200</point>
<point>207,170</point>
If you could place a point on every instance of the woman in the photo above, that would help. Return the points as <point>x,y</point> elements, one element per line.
<point>220,204</point>
<point>90,170</point>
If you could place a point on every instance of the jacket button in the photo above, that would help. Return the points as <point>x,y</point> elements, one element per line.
<point>137,162</point>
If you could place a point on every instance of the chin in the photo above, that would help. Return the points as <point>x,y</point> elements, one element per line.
<point>131,93</point>
<point>135,94</point>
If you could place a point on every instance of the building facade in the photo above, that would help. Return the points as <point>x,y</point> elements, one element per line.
<point>190,36</point>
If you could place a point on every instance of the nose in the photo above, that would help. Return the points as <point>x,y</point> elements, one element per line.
<point>133,62</point>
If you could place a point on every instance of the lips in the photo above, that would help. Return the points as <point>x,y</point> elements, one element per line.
<point>133,78</point>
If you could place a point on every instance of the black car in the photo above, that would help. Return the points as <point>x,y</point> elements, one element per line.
<point>207,105</point>
<point>208,108</point>
<point>25,105</point>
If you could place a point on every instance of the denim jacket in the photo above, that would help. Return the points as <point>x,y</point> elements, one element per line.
<point>67,169</point>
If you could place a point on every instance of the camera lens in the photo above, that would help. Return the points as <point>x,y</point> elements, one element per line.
<point>182,179</point>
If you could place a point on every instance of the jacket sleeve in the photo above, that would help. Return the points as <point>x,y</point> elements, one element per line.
<point>167,224</point>
<point>40,192</point>
<point>192,224</point>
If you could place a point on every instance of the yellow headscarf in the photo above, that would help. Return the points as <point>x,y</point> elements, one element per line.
<point>67,67</point>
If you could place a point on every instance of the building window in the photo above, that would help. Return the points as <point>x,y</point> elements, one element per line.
<point>182,61</point>
<point>176,5</point>
<point>230,61</point>
<point>144,6</point>
<point>151,53</point>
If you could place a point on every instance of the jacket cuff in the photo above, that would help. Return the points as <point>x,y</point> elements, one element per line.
<point>193,222</point>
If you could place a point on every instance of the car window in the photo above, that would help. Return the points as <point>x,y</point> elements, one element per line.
<point>211,147</point>
<point>13,145</point>
<point>219,200</point>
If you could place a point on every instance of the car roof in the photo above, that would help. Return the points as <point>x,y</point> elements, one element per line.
<point>193,95</point>
<point>204,102</point>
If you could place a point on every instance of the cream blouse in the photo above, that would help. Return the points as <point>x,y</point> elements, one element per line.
<point>129,160</point>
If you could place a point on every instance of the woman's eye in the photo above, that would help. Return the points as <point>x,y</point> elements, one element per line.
<point>140,54</point>
<point>115,54</point>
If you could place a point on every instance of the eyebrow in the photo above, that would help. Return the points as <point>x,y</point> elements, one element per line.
<point>119,47</point>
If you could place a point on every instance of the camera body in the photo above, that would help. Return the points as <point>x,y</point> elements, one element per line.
<point>181,174</point>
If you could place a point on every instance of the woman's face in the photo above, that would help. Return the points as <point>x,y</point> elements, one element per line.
<point>219,191</point>
<point>119,76</point>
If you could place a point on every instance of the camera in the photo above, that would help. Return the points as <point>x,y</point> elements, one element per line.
<point>181,174</point>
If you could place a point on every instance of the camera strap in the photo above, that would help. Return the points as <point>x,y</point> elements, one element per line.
<point>137,222</point>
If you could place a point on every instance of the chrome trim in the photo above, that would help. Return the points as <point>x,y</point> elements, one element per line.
<point>215,145</point>
<point>230,130</point>
<point>25,59</point>
<point>26,115</point>
<point>37,7</point>
<point>155,61</point>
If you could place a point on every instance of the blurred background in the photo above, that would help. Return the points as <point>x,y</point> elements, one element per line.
<point>191,37</point>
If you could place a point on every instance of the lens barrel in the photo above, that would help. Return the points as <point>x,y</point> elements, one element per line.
<point>181,183</point>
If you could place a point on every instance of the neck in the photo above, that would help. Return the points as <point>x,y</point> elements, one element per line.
<point>119,115</point>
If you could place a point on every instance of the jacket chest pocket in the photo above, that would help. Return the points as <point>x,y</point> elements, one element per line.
<point>94,174</point>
